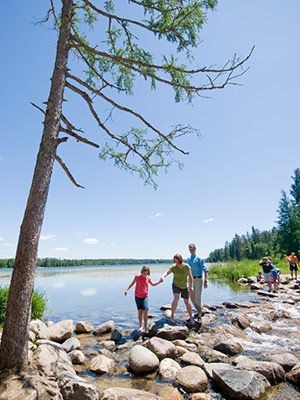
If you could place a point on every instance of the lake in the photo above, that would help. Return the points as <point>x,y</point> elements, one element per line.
<point>96,293</point>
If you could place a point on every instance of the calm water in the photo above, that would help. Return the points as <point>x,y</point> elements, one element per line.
<point>96,294</point>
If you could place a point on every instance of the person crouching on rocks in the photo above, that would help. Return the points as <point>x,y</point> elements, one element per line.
<point>267,270</point>
<point>181,273</point>
<point>275,275</point>
<point>141,295</point>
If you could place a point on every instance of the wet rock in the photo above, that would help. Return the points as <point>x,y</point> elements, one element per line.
<point>161,348</point>
<point>241,321</point>
<point>107,344</point>
<point>229,346</point>
<point>71,344</point>
<point>267,294</point>
<point>243,385</point>
<point>118,393</point>
<point>294,375</point>
<point>51,359</point>
<point>170,393</point>
<point>102,365</point>
<point>183,343</point>
<point>212,356</point>
<point>166,307</point>
<point>192,379</point>
<point>271,370</point>
<point>167,313</point>
<point>181,350</point>
<point>142,361</point>
<point>106,327</point>
<point>108,354</point>
<point>168,368</point>
<point>73,388</point>
<point>116,335</point>
<point>77,357</point>
<point>84,327</point>
<point>286,360</point>
<point>190,358</point>
<point>209,367</point>
<point>261,326</point>
<point>61,331</point>
<point>243,281</point>
<point>173,332</point>
<point>228,304</point>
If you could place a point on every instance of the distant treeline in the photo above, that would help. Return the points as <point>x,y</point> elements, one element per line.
<point>55,262</point>
<point>282,239</point>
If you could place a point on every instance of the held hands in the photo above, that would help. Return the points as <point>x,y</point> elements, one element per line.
<point>205,285</point>
<point>161,279</point>
<point>126,291</point>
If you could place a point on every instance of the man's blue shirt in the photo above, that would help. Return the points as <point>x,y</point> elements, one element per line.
<point>197,265</point>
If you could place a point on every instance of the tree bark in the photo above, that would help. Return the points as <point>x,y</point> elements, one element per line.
<point>13,351</point>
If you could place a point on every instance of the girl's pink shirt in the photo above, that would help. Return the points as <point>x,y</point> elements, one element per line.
<point>141,287</point>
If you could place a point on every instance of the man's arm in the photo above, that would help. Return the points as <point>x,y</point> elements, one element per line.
<point>191,281</point>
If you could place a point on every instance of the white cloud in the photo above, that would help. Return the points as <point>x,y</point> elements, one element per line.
<point>7,245</point>
<point>59,284</point>
<point>157,215</point>
<point>205,221</point>
<point>90,241</point>
<point>1,238</point>
<point>60,249</point>
<point>81,233</point>
<point>48,237</point>
<point>148,241</point>
<point>112,243</point>
<point>88,292</point>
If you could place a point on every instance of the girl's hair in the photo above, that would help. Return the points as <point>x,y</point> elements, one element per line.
<point>178,257</point>
<point>144,269</point>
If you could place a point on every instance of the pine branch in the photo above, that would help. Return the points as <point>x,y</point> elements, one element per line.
<point>68,173</point>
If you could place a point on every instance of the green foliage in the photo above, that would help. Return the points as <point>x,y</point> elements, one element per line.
<point>39,302</point>
<point>234,270</point>
<point>289,218</point>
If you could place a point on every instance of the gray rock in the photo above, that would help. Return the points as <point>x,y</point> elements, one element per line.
<point>116,335</point>
<point>242,385</point>
<point>190,358</point>
<point>271,370</point>
<point>183,343</point>
<point>102,365</point>
<point>60,331</point>
<point>107,327</point>
<point>166,307</point>
<point>161,348</point>
<point>76,388</point>
<point>108,344</point>
<point>77,357</point>
<point>229,346</point>
<point>181,350</point>
<point>209,367</point>
<point>192,379</point>
<point>286,360</point>
<point>261,326</point>
<point>118,393</point>
<point>142,361</point>
<point>168,368</point>
<point>84,327</point>
<point>167,313</point>
<point>51,359</point>
<point>212,356</point>
<point>39,328</point>
<point>241,321</point>
<point>294,375</point>
<point>173,332</point>
<point>71,344</point>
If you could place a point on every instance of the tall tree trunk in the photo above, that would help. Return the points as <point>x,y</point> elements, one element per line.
<point>13,351</point>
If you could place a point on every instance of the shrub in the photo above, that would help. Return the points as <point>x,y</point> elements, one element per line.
<point>39,302</point>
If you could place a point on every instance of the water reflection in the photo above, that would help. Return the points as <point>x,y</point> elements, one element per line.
<point>97,293</point>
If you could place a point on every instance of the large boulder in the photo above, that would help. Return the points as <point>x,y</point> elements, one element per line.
<point>161,348</point>
<point>271,370</point>
<point>39,328</point>
<point>61,331</point>
<point>84,327</point>
<point>73,387</point>
<point>118,393</point>
<point>212,356</point>
<point>190,358</point>
<point>77,357</point>
<point>210,367</point>
<point>51,359</point>
<point>71,344</point>
<point>242,385</point>
<point>142,361</point>
<point>168,368</point>
<point>229,346</point>
<point>192,379</point>
<point>169,329</point>
<point>106,327</point>
<point>286,360</point>
<point>102,365</point>
<point>294,375</point>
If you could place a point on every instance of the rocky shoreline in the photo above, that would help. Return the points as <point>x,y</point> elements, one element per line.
<point>248,350</point>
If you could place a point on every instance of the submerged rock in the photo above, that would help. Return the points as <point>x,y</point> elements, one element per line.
<point>118,393</point>
<point>102,365</point>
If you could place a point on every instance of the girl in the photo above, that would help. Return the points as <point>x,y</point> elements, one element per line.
<point>182,272</point>
<point>141,295</point>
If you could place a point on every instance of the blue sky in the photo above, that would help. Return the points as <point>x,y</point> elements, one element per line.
<point>231,180</point>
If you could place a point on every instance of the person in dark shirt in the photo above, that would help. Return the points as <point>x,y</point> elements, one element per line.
<point>267,267</point>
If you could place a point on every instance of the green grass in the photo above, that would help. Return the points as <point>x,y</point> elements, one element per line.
<point>233,270</point>
<point>39,302</point>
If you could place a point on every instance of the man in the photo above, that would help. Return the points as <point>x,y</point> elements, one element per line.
<point>293,261</point>
<point>198,267</point>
